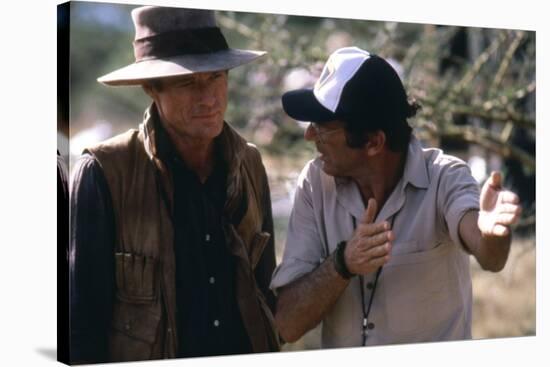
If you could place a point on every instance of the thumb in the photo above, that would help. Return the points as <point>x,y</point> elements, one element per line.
<point>495,180</point>
<point>370,212</point>
<point>490,190</point>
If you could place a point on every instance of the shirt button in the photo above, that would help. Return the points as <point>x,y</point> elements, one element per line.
<point>127,326</point>
<point>370,325</point>
<point>207,237</point>
<point>216,323</point>
<point>212,280</point>
<point>169,330</point>
<point>370,285</point>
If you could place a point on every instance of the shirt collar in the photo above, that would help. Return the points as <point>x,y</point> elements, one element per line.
<point>416,172</point>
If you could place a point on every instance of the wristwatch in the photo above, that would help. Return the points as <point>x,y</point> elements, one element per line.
<point>339,261</point>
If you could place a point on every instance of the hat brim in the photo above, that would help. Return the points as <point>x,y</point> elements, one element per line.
<point>302,105</point>
<point>139,72</point>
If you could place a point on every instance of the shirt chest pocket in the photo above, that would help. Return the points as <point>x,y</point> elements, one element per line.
<point>421,294</point>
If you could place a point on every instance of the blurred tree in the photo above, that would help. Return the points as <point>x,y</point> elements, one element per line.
<point>476,85</point>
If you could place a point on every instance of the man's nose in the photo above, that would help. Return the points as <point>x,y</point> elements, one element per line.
<point>206,95</point>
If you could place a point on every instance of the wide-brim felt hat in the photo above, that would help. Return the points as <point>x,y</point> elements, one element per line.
<point>176,41</point>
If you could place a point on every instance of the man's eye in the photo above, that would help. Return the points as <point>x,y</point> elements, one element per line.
<point>184,83</point>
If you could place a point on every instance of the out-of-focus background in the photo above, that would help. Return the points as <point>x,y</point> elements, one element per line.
<point>476,86</point>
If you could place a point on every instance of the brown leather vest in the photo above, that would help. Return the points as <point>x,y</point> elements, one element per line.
<point>144,314</point>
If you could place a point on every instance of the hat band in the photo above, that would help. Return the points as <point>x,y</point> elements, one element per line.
<point>178,43</point>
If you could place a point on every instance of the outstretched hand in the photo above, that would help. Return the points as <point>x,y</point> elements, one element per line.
<point>498,208</point>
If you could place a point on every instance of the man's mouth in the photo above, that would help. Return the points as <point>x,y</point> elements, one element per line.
<point>206,115</point>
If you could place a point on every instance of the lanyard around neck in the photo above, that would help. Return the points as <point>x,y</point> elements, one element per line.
<point>365,323</point>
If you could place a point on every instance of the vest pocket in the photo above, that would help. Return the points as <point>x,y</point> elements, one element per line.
<point>137,309</point>
<point>135,331</point>
<point>136,277</point>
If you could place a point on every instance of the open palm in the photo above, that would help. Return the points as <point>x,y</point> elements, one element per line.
<point>499,208</point>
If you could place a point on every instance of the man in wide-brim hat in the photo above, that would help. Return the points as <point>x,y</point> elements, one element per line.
<point>172,244</point>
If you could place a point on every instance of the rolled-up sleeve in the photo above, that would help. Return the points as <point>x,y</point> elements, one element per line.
<point>458,194</point>
<point>303,249</point>
<point>91,262</point>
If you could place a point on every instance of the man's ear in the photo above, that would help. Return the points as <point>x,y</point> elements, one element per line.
<point>148,88</point>
<point>376,142</point>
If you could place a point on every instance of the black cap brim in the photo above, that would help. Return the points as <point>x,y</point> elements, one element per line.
<point>302,105</point>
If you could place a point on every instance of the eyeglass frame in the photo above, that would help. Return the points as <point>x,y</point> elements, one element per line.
<point>319,134</point>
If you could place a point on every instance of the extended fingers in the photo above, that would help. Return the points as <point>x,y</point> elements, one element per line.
<point>508,197</point>
<point>508,213</point>
<point>377,240</point>
<point>506,219</point>
<point>378,251</point>
<point>372,229</point>
<point>509,208</point>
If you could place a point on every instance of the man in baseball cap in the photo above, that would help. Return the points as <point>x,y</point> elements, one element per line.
<point>172,245</point>
<point>381,230</point>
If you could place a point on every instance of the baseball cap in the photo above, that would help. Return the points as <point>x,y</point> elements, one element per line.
<point>355,86</point>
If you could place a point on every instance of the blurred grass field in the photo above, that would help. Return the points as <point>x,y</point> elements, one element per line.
<point>504,303</point>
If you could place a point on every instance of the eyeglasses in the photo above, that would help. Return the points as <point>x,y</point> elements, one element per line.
<point>320,133</point>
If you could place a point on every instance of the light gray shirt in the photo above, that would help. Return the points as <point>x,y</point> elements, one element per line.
<point>424,292</point>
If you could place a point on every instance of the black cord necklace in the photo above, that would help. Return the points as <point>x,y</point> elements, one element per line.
<point>366,325</point>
